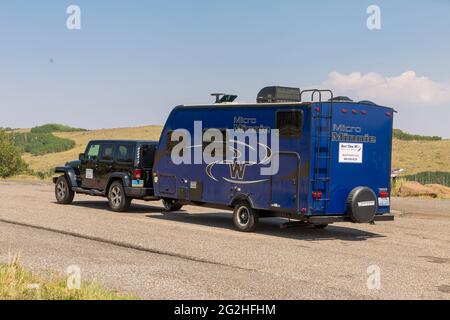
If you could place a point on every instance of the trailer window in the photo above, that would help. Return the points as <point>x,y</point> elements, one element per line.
<point>290,123</point>
<point>215,143</point>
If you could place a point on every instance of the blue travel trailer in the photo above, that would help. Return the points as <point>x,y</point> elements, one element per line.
<point>334,159</point>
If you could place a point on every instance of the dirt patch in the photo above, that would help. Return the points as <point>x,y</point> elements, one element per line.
<point>415,189</point>
<point>443,191</point>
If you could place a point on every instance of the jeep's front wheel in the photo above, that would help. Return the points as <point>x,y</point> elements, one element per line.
<point>118,200</point>
<point>171,205</point>
<point>63,192</point>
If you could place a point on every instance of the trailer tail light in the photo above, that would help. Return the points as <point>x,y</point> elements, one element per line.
<point>355,111</point>
<point>388,114</point>
<point>317,109</point>
<point>344,110</point>
<point>384,194</point>
<point>317,195</point>
<point>137,174</point>
<point>363,112</point>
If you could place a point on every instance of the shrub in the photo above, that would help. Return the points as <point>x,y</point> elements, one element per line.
<point>41,143</point>
<point>11,162</point>
<point>402,135</point>
<point>53,127</point>
<point>430,177</point>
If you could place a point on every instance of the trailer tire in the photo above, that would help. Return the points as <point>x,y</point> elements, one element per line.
<point>320,226</point>
<point>117,199</point>
<point>171,205</point>
<point>63,192</point>
<point>245,218</point>
<point>362,205</point>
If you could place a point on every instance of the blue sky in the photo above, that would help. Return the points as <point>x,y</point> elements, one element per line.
<point>132,61</point>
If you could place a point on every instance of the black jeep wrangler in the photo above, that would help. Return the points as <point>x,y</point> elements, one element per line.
<point>120,170</point>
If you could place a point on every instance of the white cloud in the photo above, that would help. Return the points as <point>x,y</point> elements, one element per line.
<point>405,89</point>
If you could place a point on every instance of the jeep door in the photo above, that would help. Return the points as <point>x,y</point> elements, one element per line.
<point>124,157</point>
<point>89,165</point>
<point>105,165</point>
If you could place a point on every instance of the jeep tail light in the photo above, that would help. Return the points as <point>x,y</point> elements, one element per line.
<point>384,194</point>
<point>137,174</point>
<point>317,195</point>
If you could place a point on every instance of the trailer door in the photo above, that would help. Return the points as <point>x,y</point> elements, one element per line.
<point>284,184</point>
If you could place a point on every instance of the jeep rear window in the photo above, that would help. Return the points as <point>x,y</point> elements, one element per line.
<point>147,155</point>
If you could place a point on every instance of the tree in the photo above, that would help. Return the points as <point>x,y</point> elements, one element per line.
<point>11,162</point>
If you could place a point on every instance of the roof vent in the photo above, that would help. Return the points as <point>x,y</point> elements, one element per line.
<point>278,94</point>
<point>367,102</point>
<point>341,99</point>
<point>223,97</point>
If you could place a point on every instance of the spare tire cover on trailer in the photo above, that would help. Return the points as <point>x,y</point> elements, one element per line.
<point>362,204</point>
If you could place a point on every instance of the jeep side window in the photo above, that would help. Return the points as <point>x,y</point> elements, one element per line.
<point>93,151</point>
<point>290,123</point>
<point>124,153</point>
<point>106,152</point>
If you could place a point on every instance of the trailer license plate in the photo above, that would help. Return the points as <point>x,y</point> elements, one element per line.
<point>383,202</point>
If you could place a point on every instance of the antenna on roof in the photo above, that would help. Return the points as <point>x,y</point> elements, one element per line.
<point>223,97</point>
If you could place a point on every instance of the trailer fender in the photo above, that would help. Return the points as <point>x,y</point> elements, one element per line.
<point>69,172</point>
<point>241,197</point>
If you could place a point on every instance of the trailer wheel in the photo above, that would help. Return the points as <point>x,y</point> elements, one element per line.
<point>245,218</point>
<point>171,205</point>
<point>117,199</point>
<point>320,226</point>
<point>63,192</point>
<point>362,205</point>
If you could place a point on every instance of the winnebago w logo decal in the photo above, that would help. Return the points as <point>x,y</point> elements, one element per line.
<point>237,170</point>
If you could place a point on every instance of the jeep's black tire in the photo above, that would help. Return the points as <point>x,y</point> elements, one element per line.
<point>117,199</point>
<point>171,205</point>
<point>362,205</point>
<point>245,218</point>
<point>63,191</point>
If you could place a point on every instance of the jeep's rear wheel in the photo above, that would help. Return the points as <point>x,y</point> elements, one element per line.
<point>118,200</point>
<point>171,205</point>
<point>63,192</point>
